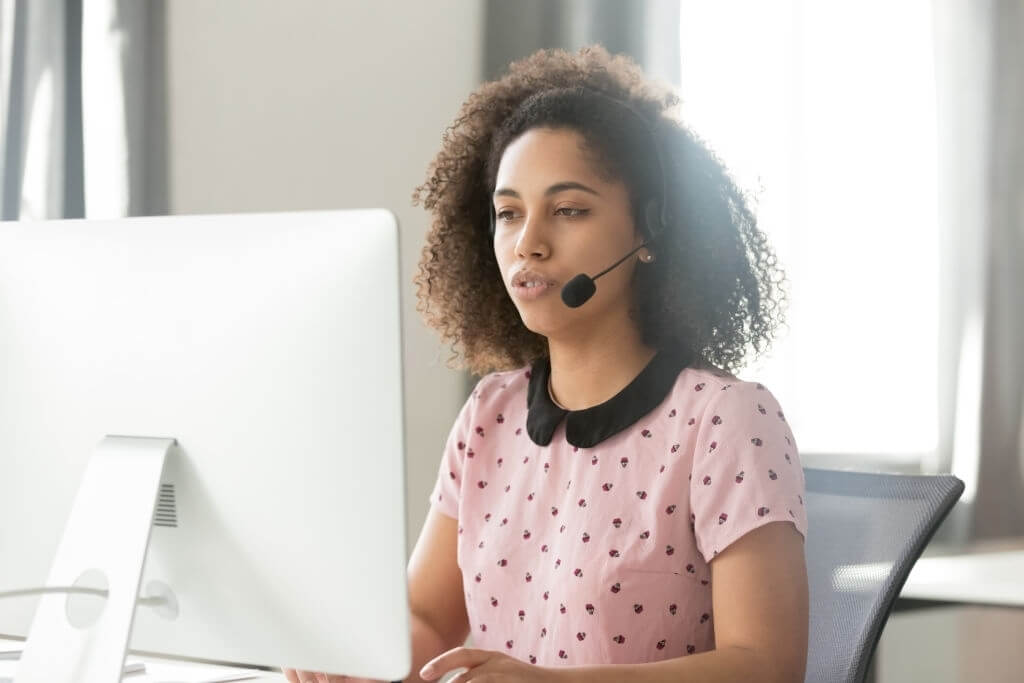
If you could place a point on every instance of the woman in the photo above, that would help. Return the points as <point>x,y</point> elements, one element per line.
<point>612,504</point>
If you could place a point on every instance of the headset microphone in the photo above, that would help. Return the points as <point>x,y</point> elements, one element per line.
<point>578,290</point>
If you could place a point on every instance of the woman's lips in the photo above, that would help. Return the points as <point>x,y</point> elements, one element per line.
<point>531,293</point>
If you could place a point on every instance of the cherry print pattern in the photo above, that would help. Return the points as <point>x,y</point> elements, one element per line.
<point>732,467</point>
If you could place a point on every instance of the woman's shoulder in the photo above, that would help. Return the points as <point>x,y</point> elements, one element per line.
<point>704,375</point>
<point>501,387</point>
<point>705,382</point>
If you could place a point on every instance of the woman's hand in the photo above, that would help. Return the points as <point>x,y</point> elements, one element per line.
<point>484,665</point>
<point>296,676</point>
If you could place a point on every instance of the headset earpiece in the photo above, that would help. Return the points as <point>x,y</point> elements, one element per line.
<point>653,219</point>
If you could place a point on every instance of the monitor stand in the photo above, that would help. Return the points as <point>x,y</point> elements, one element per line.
<point>104,546</point>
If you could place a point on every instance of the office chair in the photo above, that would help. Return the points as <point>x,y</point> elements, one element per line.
<point>865,531</point>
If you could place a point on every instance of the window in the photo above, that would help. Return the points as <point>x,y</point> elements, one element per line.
<point>825,112</point>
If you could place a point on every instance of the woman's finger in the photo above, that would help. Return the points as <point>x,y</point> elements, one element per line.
<point>453,659</point>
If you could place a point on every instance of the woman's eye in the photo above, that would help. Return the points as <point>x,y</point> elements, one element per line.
<point>571,212</point>
<point>505,215</point>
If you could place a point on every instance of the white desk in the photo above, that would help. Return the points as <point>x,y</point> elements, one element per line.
<point>986,574</point>
<point>159,670</point>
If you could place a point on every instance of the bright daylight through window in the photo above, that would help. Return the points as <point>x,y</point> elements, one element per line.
<point>825,112</point>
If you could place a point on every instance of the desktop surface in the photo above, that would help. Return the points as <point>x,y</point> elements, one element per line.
<point>988,573</point>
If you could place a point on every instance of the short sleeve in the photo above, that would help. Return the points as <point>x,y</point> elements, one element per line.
<point>447,489</point>
<point>746,469</point>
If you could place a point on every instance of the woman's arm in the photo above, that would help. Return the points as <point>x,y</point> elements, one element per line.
<point>439,620</point>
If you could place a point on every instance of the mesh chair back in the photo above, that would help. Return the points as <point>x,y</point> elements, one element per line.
<point>865,531</point>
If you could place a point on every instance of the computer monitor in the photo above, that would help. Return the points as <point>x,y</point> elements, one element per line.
<point>234,384</point>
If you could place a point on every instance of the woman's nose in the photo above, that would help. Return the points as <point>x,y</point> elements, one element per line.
<point>532,238</point>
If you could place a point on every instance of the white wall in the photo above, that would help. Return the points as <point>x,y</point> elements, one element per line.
<point>317,105</point>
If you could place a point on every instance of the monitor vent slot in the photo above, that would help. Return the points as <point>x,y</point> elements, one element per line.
<point>166,508</point>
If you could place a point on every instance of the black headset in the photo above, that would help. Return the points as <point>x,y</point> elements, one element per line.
<point>655,213</point>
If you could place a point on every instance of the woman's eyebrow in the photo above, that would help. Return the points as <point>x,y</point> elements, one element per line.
<point>554,189</point>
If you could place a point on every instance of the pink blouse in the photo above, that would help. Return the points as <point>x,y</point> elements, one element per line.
<point>598,554</point>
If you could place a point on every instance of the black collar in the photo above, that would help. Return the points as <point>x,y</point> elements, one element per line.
<point>589,427</point>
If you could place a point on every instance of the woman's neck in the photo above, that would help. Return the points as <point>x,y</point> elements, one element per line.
<point>587,374</point>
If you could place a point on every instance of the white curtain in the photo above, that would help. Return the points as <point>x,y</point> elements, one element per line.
<point>643,30</point>
<point>33,108</point>
<point>74,99</point>
<point>980,88</point>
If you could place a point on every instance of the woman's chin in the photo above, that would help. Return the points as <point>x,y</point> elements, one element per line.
<point>545,324</point>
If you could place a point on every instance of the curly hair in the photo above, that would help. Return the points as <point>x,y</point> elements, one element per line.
<point>716,290</point>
